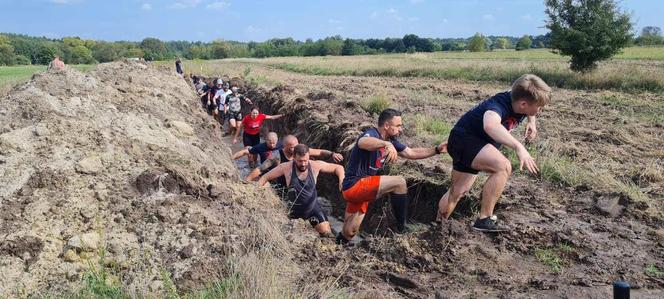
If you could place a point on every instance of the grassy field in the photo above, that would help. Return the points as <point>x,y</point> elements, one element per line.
<point>638,69</point>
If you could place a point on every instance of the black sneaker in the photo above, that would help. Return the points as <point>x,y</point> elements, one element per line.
<point>489,225</point>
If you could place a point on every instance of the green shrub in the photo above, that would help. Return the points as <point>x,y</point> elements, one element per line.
<point>376,104</point>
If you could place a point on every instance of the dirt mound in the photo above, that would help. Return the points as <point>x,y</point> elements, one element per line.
<point>118,168</point>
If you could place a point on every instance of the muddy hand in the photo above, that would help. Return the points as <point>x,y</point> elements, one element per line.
<point>531,132</point>
<point>391,153</point>
<point>442,148</point>
<point>526,160</point>
<point>337,157</point>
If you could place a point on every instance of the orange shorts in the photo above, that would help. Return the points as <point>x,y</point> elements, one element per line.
<point>361,194</point>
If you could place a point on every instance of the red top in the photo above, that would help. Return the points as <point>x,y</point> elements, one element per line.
<point>253,126</point>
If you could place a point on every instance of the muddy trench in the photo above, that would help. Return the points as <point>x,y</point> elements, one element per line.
<point>425,185</point>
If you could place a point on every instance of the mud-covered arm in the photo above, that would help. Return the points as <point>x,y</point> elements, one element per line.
<point>278,116</point>
<point>423,152</point>
<point>240,154</point>
<point>325,155</point>
<point>497,132</point>
<point>272,174</point>
<point>337,169</point>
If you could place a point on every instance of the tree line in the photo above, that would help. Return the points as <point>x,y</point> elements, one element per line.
<point>22,49</point>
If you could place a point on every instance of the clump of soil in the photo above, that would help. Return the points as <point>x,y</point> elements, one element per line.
<point>119,167</point>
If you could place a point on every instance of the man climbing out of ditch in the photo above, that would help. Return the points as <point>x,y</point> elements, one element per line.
<point>232,108</point>
<point>301,174</point>
<point>266,150</point>
<point>212,106</point>
<point>475,141</point>
<point>201,90</point>
<point>362,184</point>
<point>219,100</point>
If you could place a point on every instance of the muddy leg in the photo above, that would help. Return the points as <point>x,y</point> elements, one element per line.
<point>352,222</point>
<point>461,183</point>
<point>490,160</point>
<point>324,229</point>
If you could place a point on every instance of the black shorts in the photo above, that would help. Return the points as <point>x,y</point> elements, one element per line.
<point>315,216</point>
<point>463,148</point>
<point>234,115</point>
<point>251,140</point>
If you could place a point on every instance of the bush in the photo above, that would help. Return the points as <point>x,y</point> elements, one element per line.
<point>524,43</point>
<point>587,30</point>
<point>21,60</point>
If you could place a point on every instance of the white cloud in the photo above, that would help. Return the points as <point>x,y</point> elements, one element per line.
<point>413,19</point>
<point>445,21</point>
<point>374,15</point>
<point>527,17</point>
<point>334,21</point>
<point>219,5</point>
<point>391,11</point>
<point>146,6</point>
<point>488,17</point>
<point>183,4</point>
<point>64,1</point>
<point>416,1</point>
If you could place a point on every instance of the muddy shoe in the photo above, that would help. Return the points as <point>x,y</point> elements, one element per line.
<point>489,225</point>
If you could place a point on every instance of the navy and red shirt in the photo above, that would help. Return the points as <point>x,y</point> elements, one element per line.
<point>473,121</point>
<point>363,163</point>
<point>265,152</point>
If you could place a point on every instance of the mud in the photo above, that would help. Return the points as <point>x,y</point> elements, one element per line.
<point>120,169</point>
<point>596,236</point>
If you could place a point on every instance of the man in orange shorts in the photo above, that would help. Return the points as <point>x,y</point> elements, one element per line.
<point>362,184</point>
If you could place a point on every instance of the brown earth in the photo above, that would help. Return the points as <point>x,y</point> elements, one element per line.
<point>119,169</point>
<point>594,234</point>
<point>123,159</point>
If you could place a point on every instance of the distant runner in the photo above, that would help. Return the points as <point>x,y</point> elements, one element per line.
<point>233,108</point>
<point>475,141</point>
<point>362,184</point>
<point>301,175</point>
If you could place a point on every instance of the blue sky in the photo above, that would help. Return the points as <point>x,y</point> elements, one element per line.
<point>206,20</point>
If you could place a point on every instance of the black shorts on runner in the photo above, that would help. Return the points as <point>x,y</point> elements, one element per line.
<point>251,140</point>
<point>463,148</point>
<point>315,216</point>
<point>234,115</point>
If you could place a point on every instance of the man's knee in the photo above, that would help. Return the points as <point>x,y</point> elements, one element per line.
<point>506,167</point>
<point>400,185</point>
<point>456,193</point>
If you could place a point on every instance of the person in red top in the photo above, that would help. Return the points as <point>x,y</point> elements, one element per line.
<point>251,127</point>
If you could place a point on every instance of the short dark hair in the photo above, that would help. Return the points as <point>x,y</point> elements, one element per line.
<point>255,108</point>
<point>386,115</point>
<point>301,150</point>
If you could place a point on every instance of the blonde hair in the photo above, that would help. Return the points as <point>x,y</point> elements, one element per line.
<point>532,89</point>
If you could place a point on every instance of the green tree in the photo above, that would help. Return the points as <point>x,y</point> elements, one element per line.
<point>220,50</point>
<point>198,52</point>
<point>502,43</point>
<point>650,36</point>
<point>587,30</point>
<point>46,53</point>
<point>6,54</point>
<point>105,52</point>
<point>351,48</point>
<point>153,49</point>
<point>81,55</point>
<point>524,43</point>
<point>22,60</point>
<point>477,43</point>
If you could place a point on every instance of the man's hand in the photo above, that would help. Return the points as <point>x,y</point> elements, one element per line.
<point>337,157</point>
<point>442,148</point>
<point>531,131</point>
<point>391,152</point>
<point>527,160</point>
